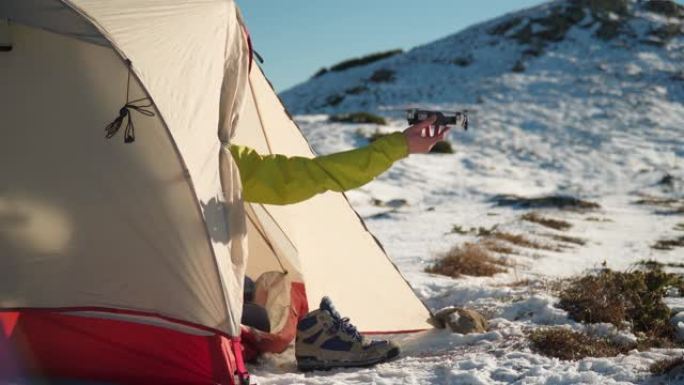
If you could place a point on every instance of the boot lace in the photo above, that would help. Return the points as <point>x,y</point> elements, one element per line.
<point>342,323</point>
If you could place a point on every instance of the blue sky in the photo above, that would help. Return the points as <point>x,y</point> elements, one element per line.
<point>298,37</point>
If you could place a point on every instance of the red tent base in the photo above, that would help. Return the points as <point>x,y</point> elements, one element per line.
<point>58,345</point>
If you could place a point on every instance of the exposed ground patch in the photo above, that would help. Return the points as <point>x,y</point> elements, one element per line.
<point>664,206</point>
<point>500,241</point>
<point>547,222</point>
<point>667,365</point>
<point>468,259</point>
<point>568,239</point>
<point>653,264</point>
<point>668,243</point>
<point>383,75</point>
<point>521,240</point>
<point>358,117</point>
<point>632,300</point>
<point>561,202</point>
<point>496,247</point>
<point>357,62</point>
<point>393,203</point>
<point>598,219</point>
<point>567,344</point>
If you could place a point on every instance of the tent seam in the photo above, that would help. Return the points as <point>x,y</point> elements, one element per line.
<point>187,177</point>
<point>270,150</point>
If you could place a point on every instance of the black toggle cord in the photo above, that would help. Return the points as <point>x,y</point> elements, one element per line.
<point>141,105</point>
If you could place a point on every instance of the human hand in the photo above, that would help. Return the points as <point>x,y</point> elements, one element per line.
<point>419,137</point>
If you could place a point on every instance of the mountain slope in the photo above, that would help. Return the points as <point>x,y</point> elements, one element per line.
<point>552,87</point>
<point>588,48</point>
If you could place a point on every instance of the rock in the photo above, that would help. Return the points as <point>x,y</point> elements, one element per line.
<point>461,320</point>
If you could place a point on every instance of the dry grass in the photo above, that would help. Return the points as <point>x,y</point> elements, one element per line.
<point>520,240</point>
<point>668,244</point>
<point>568,239</point>
<point>552,201</point>
<point>597,219</point>
<point>655,265</point>
<point>496,247</point>
<point>479,231</point>
<point>655,201</point>
<point>547,222</point>
<point>672,206</point>
<point>521,283</point>
<point>571,345</point>
<point>458,229</point>
<point>666,365</point>
<point>469,259</point>
<point>632,298</point>
<point>531,284</point>
<point>485,232</point>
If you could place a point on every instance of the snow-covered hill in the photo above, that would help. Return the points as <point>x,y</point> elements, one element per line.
<point>577,98</point>
<point>588,49</point>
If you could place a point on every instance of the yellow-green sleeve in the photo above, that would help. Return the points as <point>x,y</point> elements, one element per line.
<point>278,179</point>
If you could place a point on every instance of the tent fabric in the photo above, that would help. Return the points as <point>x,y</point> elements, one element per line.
<point>338,257</point>
<point>194,43</point>
<point>111,349</point>
<point>148,240</point>
<point>270,246</point>
<point>139,223</point>
<point>48,15</point>
<point>78,229</point>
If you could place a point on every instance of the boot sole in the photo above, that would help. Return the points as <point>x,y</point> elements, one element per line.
<point>307,364</point>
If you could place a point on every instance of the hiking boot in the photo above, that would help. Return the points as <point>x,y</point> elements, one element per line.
<point>325,340</point>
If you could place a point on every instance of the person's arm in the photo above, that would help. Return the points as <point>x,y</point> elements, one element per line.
<point>277,179</point>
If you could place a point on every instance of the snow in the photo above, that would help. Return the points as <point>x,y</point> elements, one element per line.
<point>598,120</point>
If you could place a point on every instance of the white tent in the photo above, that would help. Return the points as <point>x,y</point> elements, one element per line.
<point>124,261</point>
<point>321,241</point>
